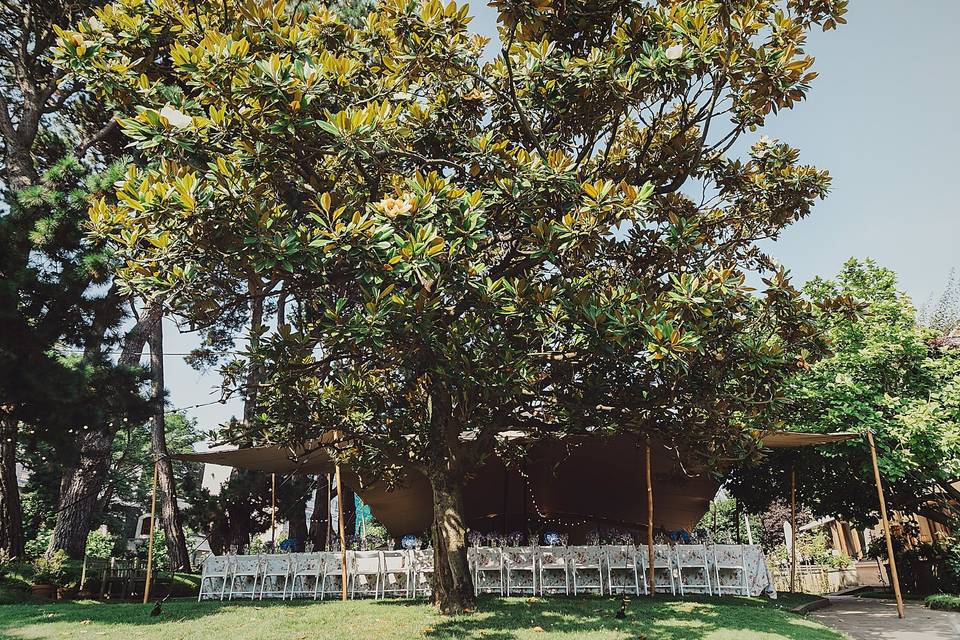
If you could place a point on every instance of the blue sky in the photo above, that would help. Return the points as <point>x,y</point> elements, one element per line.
<point>881,117</point>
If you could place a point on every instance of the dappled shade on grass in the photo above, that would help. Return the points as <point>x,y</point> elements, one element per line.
<point>496,619</point>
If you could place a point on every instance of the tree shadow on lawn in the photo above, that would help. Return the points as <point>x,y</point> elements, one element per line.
<point>663,618</point>
<point>123,613</point>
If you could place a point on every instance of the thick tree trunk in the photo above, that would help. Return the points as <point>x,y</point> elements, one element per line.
<point>177,551</point>
<point>81,485</point>
<point>79,493</point>
<point>11,515</point>
<point>20,172</point>
<point>297,514</point>
<point>318,520</point>
<point>452,583</point>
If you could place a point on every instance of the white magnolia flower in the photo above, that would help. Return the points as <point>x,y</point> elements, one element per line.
<point>176,118</point>
<point>674,52</point>
<point>393,207</point>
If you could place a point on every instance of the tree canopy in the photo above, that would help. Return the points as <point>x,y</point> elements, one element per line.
<point>888,375</point>
<point>553,241</point>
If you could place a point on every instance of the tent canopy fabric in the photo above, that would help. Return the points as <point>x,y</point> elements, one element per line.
<point>599,481</point>
<point>269,459</point>
<point>312,458</point>
<point>791,439</point>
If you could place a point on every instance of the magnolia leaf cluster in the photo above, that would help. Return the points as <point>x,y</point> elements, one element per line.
<point>545,235</point>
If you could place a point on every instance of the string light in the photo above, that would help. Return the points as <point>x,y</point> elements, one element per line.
<point>558,519</point>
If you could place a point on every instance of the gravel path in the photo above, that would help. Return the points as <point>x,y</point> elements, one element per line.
<point>876,619</point>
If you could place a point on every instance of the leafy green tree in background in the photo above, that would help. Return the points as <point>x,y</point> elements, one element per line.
<point>58,143</point>
<point>461,248</point>
<point>889,375</point>
<point>724,522</point>
<point>126,491</point>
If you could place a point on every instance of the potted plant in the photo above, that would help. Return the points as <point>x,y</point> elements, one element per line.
<point>48,574</point>
<point>68,588</point>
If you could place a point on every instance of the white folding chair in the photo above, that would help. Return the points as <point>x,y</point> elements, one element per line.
<point>522,561</point>
<point>554,575</point>
<point>216,572</point>
<point>622,569</point>
<point>245,568</point>
<point>584,561</point>
<point>693,569</point>
<point>276,569</point>
<point>306,566</point>
<point>422,571</point>
<point>487,570</point>
<point>663,565</point>
<point>397,573</point>
<point>730,569</point>
<point>643,568</point>
<point>333,571</point>
<point>365,571</point>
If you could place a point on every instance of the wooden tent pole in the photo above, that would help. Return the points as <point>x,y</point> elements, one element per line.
<point>793,529</point>
<point>650,555</point>
<point>886,525</point>
<point>343,541</point>
<point>273,512</point>
<point>153,518</point>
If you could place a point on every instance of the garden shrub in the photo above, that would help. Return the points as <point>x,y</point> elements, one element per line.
<point>100,544</point>
<point>943,601</point>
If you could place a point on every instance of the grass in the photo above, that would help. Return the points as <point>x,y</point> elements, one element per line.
<point>552,618</point>
<point>943,601</point>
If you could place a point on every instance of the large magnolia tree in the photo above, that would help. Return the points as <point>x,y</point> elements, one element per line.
<point>461,238</point>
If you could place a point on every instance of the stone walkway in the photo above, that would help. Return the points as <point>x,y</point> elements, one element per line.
<point>875,619</point>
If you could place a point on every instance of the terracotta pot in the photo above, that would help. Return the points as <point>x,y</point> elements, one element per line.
<point>43,590</point>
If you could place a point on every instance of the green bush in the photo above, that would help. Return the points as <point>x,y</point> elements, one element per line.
<point>100,544</point>
<point>943,601</point>
<point>16,576</point>
<point>839,561</point>
<point>38,546</point>
<point>51,569</point>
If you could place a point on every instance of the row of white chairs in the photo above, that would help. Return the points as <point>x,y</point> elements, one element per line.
<point>317,575</point>
<point>610,569</point>
<point>505,571</point>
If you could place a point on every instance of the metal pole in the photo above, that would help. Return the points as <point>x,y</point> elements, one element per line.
<point>713,507</point>
<point>343,541</point>
<point>328,543</point>
<point>886,525</point>
<point>363,524</point>
<point>273,512</point>
<point>746,521</point>
<point>153,518</point>
<point>650,555</point>
<point>736,518</point>
<point>793,529</point>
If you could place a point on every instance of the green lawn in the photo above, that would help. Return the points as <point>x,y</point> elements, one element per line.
<point>497,619</point>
